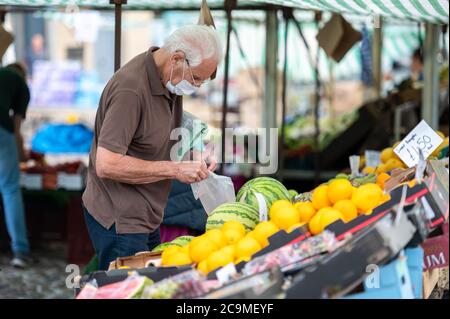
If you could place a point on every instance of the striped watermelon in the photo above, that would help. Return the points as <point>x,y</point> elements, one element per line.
<point>241,212</point>
<point>163,246</point>
<point>182,240</point>
<point>271,189</point>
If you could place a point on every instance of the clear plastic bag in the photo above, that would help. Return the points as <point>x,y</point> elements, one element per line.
<point>214,191</point>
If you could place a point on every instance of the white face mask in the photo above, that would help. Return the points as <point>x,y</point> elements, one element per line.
<point>183,87</point>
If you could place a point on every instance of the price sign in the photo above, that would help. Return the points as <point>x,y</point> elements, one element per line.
<point>421,138</point>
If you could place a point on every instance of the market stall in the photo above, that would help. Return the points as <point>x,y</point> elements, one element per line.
<point>274,243</point>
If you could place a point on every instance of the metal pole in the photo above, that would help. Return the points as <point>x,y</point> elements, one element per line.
<point>430,93</point>
<point>269,114</point>
<point>316,111</point>
<point>229,5</point>
<point>117,31</point>
<point>282,150</point>
<point>377,49</point>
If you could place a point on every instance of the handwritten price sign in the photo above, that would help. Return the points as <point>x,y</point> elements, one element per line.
<point>423,138</point>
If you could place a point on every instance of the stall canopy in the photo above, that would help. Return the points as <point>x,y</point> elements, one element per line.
<point>435,11</point>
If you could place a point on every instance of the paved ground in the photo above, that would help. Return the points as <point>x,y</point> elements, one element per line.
<point>45,280</point>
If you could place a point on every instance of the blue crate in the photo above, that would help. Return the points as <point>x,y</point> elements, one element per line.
<point>394,282</point>
<point>415,266</point>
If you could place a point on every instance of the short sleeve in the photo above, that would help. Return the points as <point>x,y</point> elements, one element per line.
<point>120,123</point>
<point>22,99</point>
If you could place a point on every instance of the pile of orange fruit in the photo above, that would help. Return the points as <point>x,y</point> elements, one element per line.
<point>220,246</point>
<point>337,200</point>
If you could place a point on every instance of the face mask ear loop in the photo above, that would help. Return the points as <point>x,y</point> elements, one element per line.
<point>171,72</point>
<point>182,76</point>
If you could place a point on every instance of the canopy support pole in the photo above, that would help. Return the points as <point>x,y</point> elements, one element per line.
<point>377,53</point>
<point>282,147</point>
<point>430,93</point>
<point>229,6</point>
<point>269,116</point>
<point>117,31</point>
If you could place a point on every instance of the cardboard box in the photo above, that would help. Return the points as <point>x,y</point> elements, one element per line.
<point>430,280</point>
<point>138,261</point>
<point>436,250</point>
<point>337,37</point>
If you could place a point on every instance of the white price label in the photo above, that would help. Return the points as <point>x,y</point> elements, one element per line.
<point>226,273</point>
<point>423,138</point>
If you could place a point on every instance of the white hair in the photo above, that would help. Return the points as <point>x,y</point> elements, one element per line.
<point>198,42</point>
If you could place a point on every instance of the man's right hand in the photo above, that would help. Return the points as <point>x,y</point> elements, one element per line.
<point>191,172</point>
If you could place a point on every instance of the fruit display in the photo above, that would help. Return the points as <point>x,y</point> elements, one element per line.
<point>298,230</point>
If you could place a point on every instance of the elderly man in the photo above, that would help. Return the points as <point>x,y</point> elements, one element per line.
<point>130,167</point>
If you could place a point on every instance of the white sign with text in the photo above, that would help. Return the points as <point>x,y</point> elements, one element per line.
<point>423,138</point>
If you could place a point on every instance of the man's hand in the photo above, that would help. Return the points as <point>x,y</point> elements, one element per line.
<point>191,172</point>
<point>207,156</point>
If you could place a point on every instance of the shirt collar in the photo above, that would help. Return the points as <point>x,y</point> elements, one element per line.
<point>156,86</point>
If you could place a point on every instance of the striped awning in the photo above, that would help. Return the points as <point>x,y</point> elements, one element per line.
<point>436,11</point>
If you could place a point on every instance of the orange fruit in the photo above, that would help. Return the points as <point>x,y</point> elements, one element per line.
<point>217,236</point>
<point>169,251</point>
<point>263,231</point>
<point>278,206</point>
<point>339,189</point>
<point>203,267</point>
<point>246,247</point>
<point>367,197</point>
<point>233,224</point>
<point>201,249</point>
<point>393,163</point>
<point>387,154</point>
<point>285,217</point>
<point>306,211</point>
<point>319,197</point>
<point>177,259</point>
<point>315,226</point>
<point>329,217</point>
<point>382,168</point>
<point>232,235</point>
<point>230,250</point>
<point>382,178</point>
<point>347,209</point>
<point>218,259</point>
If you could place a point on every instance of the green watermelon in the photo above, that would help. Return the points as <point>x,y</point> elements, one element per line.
<point>293,193</point>
<point>163,246</point>
<point>271,189</point>
<point>241,212</point>
<point>182,240</point>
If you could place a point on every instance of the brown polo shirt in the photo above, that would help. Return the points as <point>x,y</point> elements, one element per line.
<point>135,116</point>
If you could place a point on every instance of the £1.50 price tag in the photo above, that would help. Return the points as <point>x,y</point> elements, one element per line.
<point>421,138</point>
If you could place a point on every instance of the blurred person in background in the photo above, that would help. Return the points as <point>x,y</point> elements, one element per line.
<point>36,52</point>
<point>417,65</point>
<point>14,99</point>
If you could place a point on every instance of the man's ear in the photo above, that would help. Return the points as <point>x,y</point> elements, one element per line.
<point>178,56</point>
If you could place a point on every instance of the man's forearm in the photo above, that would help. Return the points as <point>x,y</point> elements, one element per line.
<point>127,169</point>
